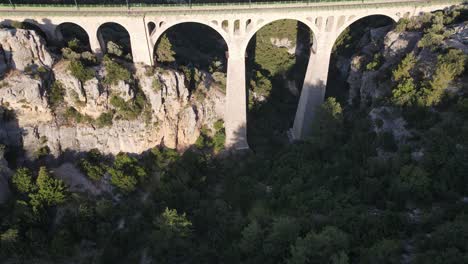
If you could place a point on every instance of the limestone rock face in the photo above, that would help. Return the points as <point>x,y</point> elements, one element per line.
<point>175,115</point>
<point>88,97</point>
<point>366,85</point>
<point>25,95</point>
<point>459,39</point>
<point>20,48</point>
<point>397,44</point>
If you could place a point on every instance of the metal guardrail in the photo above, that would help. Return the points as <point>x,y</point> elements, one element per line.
<point>190,4</point>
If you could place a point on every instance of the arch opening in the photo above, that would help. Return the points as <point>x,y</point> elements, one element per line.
<point>364,38</point>
<point>73,36</point>
<point>276,62</point>
<point>114,40</point>
<point>151,27</point>
<point>191,44</point>
<point>198,53</point>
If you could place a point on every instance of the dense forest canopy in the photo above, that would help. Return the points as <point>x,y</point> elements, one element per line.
<point>363,188</point>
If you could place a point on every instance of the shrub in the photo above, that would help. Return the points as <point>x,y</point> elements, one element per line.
<point>69,54</point>
<point>57,93</point>
<point>156,84</point>
<point>79,71</point>
<point>448,67</point>
<point>115,72</point>
<point>375,63</point>
<point>42,152</point>
<point>92,165</point>
<point>405,93</point>
<point>72,115</point>
<point>404,68</point>
<point>219,137</point>
<point>74,45</point>
<point>105,119</point>
<point>89,58</point>
<point>129,110</point>
<point>114,48</point>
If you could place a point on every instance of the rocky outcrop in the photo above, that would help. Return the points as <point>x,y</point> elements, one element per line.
<point>173,115</point>
<point>25,94</point>
<point>20,49</point>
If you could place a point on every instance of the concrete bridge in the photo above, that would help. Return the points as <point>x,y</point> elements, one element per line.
<point>237,24</point>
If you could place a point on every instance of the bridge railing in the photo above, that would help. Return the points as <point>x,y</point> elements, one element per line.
<point>190,3</point>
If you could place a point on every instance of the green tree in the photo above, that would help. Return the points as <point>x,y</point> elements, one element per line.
<point>331,245</point>
<point>384,251</point>
<point>50,191</point>
<point>405,94</point>
<point>252,237</point>
<point>126,173</point>
<point>283,233</point>
<point>23,181</point>
<point>404,69</point>
<point>57,93</point>
<point>164,51</point>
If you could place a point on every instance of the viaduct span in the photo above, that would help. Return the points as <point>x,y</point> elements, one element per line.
<point>237,24</point>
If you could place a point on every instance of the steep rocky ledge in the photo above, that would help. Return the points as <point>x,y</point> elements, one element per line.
<point>174,114</point>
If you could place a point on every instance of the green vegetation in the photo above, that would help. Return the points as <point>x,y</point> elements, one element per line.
<point>79,71</point>
<point>126,173</point>
<point>72,115</point>
<point>164,52</point>
<point>449,66</point>
<point>129,110</point>
<point>352,192</point>
<point>212,140</point>
<point>39,194</point>
<point>92,165</point>
<point>57,93</point>
<point>115,72</point>
<point>105,119</point>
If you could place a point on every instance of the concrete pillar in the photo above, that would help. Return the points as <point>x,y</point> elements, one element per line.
<point>313,90</point>
<point>95,41</point>
<point>235,117</point>
<point>139,42</point>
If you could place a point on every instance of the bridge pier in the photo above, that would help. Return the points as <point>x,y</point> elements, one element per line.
<point>235,116</point>
<point>313,89</point>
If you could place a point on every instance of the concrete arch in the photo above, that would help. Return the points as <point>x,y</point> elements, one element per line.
<point>81,34</point>
<point>262,23</point>
<point>352,19</point>
<point>160,30</point>
<point>164,27</point>
<point>211,29</point>
<point>120,27</point>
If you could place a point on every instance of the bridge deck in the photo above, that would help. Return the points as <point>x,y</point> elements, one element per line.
<point>221,7</point>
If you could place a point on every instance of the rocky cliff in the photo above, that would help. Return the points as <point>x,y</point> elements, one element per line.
<point>85,116</point>
<point>371,74</point>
